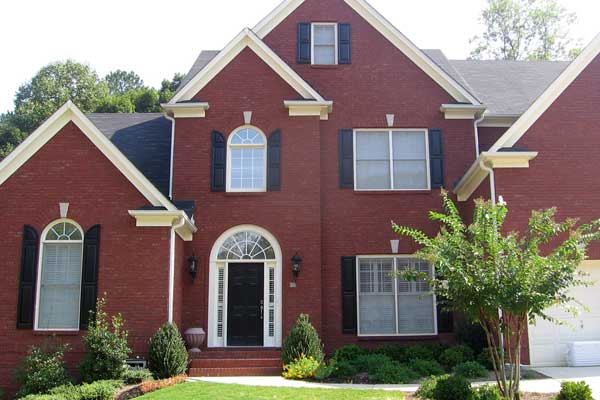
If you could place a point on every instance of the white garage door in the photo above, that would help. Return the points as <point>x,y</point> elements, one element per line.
<point>548,341</point>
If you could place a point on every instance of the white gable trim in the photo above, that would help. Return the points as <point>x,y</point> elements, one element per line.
<point>539,107</point>
<point>67,113</point>
<point>373,17</point>
<point>246,38</point>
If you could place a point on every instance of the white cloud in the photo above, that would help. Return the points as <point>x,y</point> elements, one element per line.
<point>157,38</point>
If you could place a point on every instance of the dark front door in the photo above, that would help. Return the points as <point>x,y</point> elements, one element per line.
<point>245,305</point>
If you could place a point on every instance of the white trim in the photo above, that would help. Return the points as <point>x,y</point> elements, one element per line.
<point>498,121</point>
<point>39,273</point>
<point>390,132</point>
<point>539,107</point>
<point>309,108</point>
<point>186,110</point>
<point>70,113</point>
<point>212,339</point>
<point>312,41</point>
<point>244,39</point>
<point>374,18</point>
<point>178,220</point>
<point>461,111</point>
<point>229,163</point>
<point>394,257</point>
<point>480,169</point>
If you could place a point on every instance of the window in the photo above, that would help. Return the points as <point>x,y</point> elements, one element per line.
<point>390,306</point>
<point>324,44</point>
<point>247,160</point>
<point>59,287</point>
<point>391,159</point>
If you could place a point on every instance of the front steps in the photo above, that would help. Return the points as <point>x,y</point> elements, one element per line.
<point>236,362</point>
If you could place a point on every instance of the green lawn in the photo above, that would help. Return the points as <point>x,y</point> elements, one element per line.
<point>218,391</point>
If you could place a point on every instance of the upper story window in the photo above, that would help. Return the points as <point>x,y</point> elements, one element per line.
<point>247,156</point>
<point>396,159</point>
<point>324,44</point>
<point>59,287</point>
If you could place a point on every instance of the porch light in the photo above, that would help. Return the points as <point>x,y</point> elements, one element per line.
<point>296,263</point>
<point>193,266</point>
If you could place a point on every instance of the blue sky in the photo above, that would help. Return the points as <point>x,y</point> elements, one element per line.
<point>158,38</point>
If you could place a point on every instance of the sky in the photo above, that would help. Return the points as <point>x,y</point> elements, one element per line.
<point>159,38</point>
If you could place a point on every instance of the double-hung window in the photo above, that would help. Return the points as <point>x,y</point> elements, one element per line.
<point>391,159</point>
<point>247,153</point>
<point>324,43</point>
<point>389,305</point>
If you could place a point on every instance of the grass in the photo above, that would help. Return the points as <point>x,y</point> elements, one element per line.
<point>212,391</point>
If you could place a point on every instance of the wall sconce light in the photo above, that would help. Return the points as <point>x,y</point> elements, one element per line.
<point>193,266</point>
<point>395,246</point>
<point>296,265</point>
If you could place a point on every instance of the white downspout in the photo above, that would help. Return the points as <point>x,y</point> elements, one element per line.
<point>476,130</point>
<point>172,154</point>
<point>492,180</point>
<point>174,228</point>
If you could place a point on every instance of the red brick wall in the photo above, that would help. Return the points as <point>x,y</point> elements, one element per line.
<point>133,261</point>
<point>489,136</point>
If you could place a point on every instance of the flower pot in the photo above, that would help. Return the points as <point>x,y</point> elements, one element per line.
<point>194,338</point>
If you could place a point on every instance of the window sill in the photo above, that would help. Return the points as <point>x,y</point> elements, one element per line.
<point>325,66</point>
<point>397,338</point>
<point>56,333</point>
<point>244,194</point>
<point>393,192</point>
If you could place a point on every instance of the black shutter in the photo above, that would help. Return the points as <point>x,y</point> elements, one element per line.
<point>219,162</point>
<point>349,295</point>
<point>344,44</point>
<point>89,275</point>
<point>304,43</point>
<point>274,162</point>
<point>346,159</point>
<point>436,158</point>
<point>29,256</point>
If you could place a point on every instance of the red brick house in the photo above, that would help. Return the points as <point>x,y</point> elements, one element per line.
<point>275,171</point>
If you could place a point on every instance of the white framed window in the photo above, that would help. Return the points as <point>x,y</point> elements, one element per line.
<point>247,160</point>
<point>389,305</point>
<point>391,159</point>
<point>59,277</point>
<point>324,43</point>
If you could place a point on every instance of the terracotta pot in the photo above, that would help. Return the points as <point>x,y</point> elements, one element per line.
<point>194,338</point>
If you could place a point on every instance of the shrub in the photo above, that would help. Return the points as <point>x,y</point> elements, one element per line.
<point>470,369</point>
<point>420,352</point>
<point>393,351</point>
<point>394,373</point>
<point>471,334</point>
<point>370,363</point>
<point>349,352</point>
<point>303,339</point>
<point>168,356</point>
<point>134,376</point>
<point>325,370</point>
<point>488,392</point>
<point>452,387</point>
<point>2,394</point>
<point>485,359</point>
<point>99,390</point>
<point>456,355</point>
<point>344,370</point>
<point>574,391</point>
<point>425,391</point>
<point>106,344</point>
<point>151,386</point>
<point>303,368</point>
<point>426,367</point>
<point>42,369</point>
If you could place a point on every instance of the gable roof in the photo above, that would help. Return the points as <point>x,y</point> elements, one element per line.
<point>202,61</point>
<point>543,102</point>
<point>145,139</point>
<point>373,17</point>
<point>246,38</point>
<point>70,113</point>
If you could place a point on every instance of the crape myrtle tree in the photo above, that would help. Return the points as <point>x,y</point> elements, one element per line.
<point>503,281</point>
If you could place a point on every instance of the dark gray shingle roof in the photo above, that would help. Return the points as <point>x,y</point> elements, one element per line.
<point>203,59</point>
<point>145,139</point>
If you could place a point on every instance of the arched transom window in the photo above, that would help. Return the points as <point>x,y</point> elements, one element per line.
<point>247,161</point>
<point>246,246</point>
<point>60,277</point>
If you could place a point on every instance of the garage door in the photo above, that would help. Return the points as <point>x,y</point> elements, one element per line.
<point>548,341</point>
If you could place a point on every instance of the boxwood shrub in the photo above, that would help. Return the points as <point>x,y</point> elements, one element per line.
<point>470,369</point>
<point>426,367</point>
<point>456,355</point>
<point>394,373</point>
<point>350,352</point>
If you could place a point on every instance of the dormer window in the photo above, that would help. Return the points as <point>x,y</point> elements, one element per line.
<point>324,43</point>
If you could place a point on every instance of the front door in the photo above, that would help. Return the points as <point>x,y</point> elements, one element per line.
<point>245,305</point>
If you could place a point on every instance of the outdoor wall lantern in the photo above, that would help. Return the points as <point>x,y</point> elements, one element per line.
<point>296,263</point>
<point>193,266</point>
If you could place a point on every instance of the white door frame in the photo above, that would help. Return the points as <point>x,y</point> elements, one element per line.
<point>218,308</point>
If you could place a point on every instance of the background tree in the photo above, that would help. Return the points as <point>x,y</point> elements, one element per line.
<point>120,82</point>
<point>504,281</point>
<point>525,29</point>
<point>169,87</point>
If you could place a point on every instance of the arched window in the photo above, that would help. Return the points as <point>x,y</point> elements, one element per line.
<point>247,153</point>
<point>59,287</point>
<point>246,246</point>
